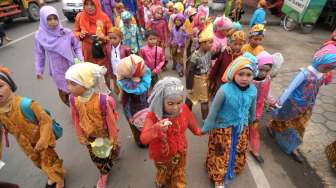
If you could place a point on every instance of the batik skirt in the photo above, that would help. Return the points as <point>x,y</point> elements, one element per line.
<point>289,134</point>
<point>171,174</point>
<point>227,153</point>
<point>200,89</point>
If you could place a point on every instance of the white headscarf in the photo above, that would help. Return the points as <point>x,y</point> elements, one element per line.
<point>88,75</point>
<point>167,87</point>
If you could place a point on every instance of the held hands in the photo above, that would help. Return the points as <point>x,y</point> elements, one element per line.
<point>83,34</point>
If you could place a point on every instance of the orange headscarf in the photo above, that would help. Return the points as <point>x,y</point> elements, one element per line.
<point>88,22</point>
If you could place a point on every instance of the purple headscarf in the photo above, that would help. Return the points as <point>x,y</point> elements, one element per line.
<point>57,39</point>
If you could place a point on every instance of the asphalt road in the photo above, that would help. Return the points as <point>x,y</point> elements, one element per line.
<point>134,169</point>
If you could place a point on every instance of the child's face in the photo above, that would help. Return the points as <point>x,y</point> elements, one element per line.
<point>75,89</point>
<point>5,92</point>
<point>202,19</point>
<point>236,45</point>
<point>120,10</point>
<point>224,32</point>
<point>256,40</point>
<point>127,22</point>
<point>89,7</point>
<point>172,105</point>
<point>114,39</point>
<point>244,77</point>
<point>52,21</point>
<point>206,46</point>
<point>264,71</point>
<point>152,40</point>
<point>192,3</point>
<point>158,15</point>
<point>178,22</point>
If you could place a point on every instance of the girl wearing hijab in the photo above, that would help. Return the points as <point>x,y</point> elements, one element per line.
<point>59,45</point>
<point>164,131</point>
<point>134,79</point>
<point>297,101</point>
<point>87,23</point>
<point>35,139</point>
<point>93,115</point>
<point>231,111</point>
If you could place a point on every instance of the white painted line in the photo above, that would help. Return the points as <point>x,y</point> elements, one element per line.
<point>257,173</point>
<point>23,37</point>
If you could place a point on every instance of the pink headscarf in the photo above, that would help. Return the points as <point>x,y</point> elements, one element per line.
<point>264,58</point>
<point>196,21</point>
<point>222,23</point>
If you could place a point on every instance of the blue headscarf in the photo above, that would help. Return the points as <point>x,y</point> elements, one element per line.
<point>326,56</point>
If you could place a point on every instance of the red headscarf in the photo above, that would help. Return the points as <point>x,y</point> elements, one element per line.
<point>88,22</point>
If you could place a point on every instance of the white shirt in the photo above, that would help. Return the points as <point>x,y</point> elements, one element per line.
<point>115,58</point>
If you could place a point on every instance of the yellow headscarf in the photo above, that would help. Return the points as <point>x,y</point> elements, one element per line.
<point>179,6</point>
<point>207,34</point>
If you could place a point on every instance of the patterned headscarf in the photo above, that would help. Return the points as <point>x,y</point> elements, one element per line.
<point>88,75</point>
<point>326,56</point>
<point>132,67</point>
<point>167,87</point>
<point>126,15</point>
<point>238,64</point>
<point>257,30</point>
<point>238,35</point>
<point>222,23</point>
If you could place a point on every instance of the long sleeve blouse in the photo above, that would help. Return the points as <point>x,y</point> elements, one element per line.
<point>154,62</point>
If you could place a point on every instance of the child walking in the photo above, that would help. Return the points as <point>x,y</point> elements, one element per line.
<point>256,36</point>
<point>164,131</point>
<point>115,52</point>
<point>153,55</point>
<point>132,36</point>
<point>93,115</point>
<point>231,111</point>
<point>134,78</point>
<point>259,15</point>
<point>36,139</point>
<point>59,45</point>
<point>178,39</point>
<point>197,72</point>
<point>263,85</point>
<point>237,12</point>
<point>237,40</point>
<point>296,103</point>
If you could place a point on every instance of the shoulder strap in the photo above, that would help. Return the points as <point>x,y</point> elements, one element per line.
<point>25,109</point>
<point>103,109</point>
<point>155,57</point>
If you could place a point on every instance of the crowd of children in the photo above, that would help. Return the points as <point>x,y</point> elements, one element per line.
<point>127,46</point>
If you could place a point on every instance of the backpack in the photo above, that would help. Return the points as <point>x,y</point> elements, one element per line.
<point>30,116</point>
<point>102,105</point>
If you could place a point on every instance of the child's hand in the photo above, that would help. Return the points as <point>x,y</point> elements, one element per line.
<point>39,77</point>
<point>40,145</point>
<point>83,141</point>
<point>164,124</point>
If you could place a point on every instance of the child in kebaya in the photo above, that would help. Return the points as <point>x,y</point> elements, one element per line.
<point>296,103</point>
<point>56,43</point>
<point>120,9</point>
<point>232,110</point>
<point>169,10</point>
<point>132,37</point>
<point>259,15</point>
<point>115,52</point>
<point>178,39</point>
<point>256,36</point>
<point>197,72</point>
<point>159,25</point>
<point>177,8</point>
<point>222,27</point>
<point>236,42</point>
<point>36,139</point>
<point>93,115</point>
<point>164,131</point>
<point>237,12</point>
<point>204,7</point>
<point>153,55</point>
<point>191,13</point>
<point>263,84</point>
<point>200,22</point>
<point>134,78</point>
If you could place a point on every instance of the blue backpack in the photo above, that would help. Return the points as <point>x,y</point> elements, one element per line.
<point>29,115</point>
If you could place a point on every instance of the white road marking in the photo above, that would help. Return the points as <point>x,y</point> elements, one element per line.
<point>257,173</point>
<point>23,37</point>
